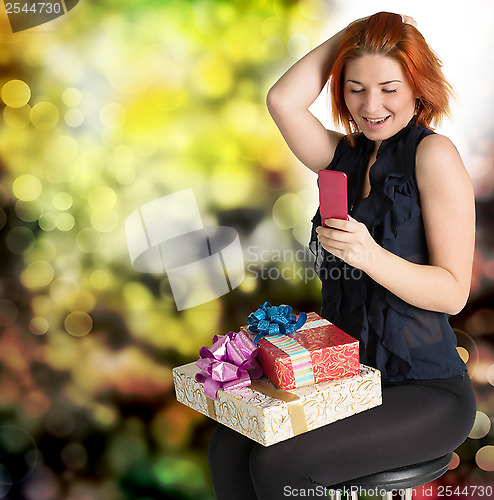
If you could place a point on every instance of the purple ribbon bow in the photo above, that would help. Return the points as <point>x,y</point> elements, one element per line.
<point>228,364</point>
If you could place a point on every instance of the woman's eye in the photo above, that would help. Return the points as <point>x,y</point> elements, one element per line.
<point>356,91</point>
<point>389,91</point>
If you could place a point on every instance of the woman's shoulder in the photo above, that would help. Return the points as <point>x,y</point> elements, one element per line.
<point>437,159</point>
<point>434,142</point>
<point>435,149</point>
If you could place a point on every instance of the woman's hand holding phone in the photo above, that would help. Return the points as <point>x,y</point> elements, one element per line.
<point>341,234</point>
<point>350,241</point>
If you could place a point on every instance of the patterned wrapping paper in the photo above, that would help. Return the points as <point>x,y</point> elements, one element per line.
<point>269,420</point>
<point>333,354</point>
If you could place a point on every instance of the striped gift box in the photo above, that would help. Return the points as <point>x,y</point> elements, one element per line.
<point>317,352</point>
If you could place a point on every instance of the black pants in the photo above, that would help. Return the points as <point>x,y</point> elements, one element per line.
<point>418,420</point>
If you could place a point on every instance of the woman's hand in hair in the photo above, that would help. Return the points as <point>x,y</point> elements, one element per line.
<point>408,20</point>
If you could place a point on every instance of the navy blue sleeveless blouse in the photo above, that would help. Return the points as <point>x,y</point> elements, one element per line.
<point>401,340</point>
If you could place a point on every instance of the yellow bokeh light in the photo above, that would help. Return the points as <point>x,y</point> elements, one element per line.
<point>490,374</point>
<point>38,273</point>
<point>102,198</point>
<point>301,232</point>
<point>231,186</point>
<point>463,354</point>
<point>485,458</point>
<point>72,97</point>
<point>145,145</point>
<point>466,342</point>
<point>273,49</point>
<point>123,153</point>
<point>314,10</point>
<point>47,221</point>
<point>481,426</point>
<point>88,240</point>
<point>125,174</point>
<point>42,305</point>
<point>212,76</point>
<point>272,26</point>
<point>104,221</point>
<point>78,323</point>
<point>73,117</point>
<point>44,115</point>
<point>252,116</point>
<point>58,172</point>
<point>47,248</point>
<point>39,325</point>
<point>287,211</point>
<point>271,155</point>
<point>298,45</point>
<point>16,93</point>
<point>248,285</point>
<point>64,221</point>
<point>17,117</point>
<point>64,290</point>
<point>62,150</point>
<point>201,323</point>
<point>27,187</point>
<point>62,200</point>
<point>137,296</point>
<point>28,211</point>
<point>100,279</point>
<point>103,414</point>
<point>85,301</point>
<point>149,64</point>
<point>112,115</point>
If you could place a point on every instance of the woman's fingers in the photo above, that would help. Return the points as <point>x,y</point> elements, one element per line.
<point>340,224</point>
<point>408,20</point>
<point>333,233</point>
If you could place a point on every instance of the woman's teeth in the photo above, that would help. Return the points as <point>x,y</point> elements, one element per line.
<point>376,120</point>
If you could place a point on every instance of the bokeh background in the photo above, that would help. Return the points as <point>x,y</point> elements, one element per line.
<point>118,103</point>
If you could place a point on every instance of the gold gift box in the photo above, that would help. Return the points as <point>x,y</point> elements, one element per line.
<point>269,415</point>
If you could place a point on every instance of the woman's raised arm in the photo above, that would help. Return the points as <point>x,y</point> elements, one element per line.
<point>289,99</point>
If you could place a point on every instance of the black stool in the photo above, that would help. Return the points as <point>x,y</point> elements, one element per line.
<point>401,480</point>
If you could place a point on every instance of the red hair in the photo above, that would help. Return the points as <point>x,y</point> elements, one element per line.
<point>385,34</point>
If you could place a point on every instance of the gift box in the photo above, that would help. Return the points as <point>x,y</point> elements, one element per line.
<point>268,415</point>
<point>316,352</point>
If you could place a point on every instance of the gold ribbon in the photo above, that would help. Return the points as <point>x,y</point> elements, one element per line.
<point>211,409</point>
<point>296,411</point>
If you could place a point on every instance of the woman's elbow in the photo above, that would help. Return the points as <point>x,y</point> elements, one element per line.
<point>455,304</point>
<point>274,102</point>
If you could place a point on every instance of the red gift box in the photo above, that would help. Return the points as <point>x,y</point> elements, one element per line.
<point>316,352</point>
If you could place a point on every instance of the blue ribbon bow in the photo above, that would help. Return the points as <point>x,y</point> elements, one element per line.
<point>274,320</point>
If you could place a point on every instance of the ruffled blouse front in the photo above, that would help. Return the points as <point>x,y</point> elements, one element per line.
<point>401,340</point>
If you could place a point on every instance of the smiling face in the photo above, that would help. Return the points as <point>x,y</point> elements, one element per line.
<point>378,96</point>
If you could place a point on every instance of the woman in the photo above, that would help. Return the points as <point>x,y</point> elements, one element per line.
<point>411,233</point>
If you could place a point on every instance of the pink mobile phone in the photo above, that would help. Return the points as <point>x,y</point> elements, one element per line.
<point>333,195</point>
